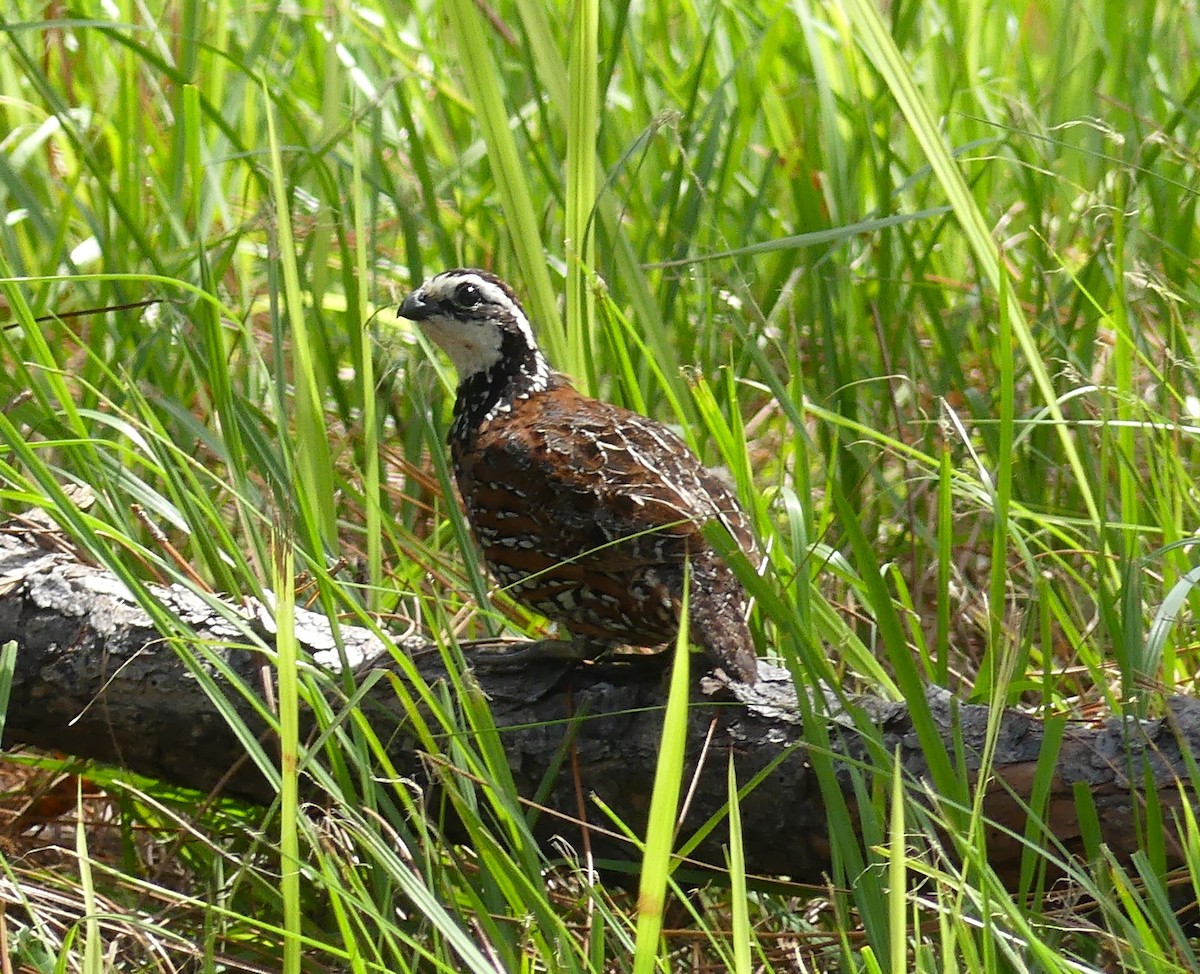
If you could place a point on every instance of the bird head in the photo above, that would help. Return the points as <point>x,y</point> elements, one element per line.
<point>476,319</point>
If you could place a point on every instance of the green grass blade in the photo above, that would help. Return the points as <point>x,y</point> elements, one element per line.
<point>664,805</point>
<point>516,198</point>
<point>314,489</point>
<point>739,902</point>
<point>994,662</point>
<point>92,947</point>
<point>898,871</point>
<point>286,663</point>
<point>8,662</point>
<point>583,125</point>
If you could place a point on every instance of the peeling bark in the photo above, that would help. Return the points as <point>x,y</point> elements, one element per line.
<point>96,677</point>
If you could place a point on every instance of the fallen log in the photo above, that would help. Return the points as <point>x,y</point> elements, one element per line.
<point>98,677</point>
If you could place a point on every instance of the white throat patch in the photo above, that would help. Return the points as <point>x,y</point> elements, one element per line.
<point>471,347</point>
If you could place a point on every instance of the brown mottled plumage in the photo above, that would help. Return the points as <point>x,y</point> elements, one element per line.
<point>585,511</point>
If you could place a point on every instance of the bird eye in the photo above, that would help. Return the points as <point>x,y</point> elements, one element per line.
<point>466,295</point>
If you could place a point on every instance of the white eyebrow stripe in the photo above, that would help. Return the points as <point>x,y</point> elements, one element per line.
<point>491,292</point>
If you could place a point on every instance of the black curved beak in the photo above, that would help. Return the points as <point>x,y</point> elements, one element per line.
<point>415,307</point>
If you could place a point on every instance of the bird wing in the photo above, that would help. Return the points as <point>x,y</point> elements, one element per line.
<point>599,484</point>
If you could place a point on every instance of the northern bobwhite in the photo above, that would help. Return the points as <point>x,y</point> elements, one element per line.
<point>585,511</point>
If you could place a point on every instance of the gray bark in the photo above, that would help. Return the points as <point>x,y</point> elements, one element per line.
<point>95,676</point>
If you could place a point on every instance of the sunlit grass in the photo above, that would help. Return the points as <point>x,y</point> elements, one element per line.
<point>923,281</point>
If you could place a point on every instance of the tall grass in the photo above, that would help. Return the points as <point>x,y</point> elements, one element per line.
<point>922,276</point>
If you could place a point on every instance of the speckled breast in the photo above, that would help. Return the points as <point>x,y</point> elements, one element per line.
<point>539,494</point>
